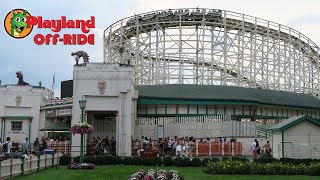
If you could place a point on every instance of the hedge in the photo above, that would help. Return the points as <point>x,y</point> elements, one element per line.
<point>194,162</point>
<point>65,160</point>
<point>248,168</point>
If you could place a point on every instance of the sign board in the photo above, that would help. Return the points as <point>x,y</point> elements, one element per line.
<point>160,131</point>
<point>50,113</point>
<point>63,112</point>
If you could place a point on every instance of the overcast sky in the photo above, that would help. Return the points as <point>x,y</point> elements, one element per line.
<point>41,62</point>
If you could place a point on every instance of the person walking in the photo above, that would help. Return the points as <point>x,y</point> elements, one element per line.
<point>267,149</point>
<point>7,146</point>
<point>253,149</point>
<point>25,145</point>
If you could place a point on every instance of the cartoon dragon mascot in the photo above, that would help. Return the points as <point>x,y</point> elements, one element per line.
<point>18,23</point>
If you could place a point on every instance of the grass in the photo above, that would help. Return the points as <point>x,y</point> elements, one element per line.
<point>119,172</point>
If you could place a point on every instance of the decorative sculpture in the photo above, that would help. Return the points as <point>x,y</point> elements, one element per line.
<point>20,81</point>
<point>77,55</point>
<point>102,86</point>
<point>18,100</point>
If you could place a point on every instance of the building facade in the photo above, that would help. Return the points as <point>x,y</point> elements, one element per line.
<point>20,111</point>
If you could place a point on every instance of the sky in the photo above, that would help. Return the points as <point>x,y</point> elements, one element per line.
<point>41,62</point>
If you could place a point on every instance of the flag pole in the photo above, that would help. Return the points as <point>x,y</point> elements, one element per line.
<point>53,83</point>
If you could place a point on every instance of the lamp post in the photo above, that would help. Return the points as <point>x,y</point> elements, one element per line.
<point>82,104</point>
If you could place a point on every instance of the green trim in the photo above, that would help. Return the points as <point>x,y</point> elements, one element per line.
<point>282,142</point>
<point>52,160</point>
<point>38,163</point>
<point>232,116</point>
<point>297,121</point>
<point>29,132</point>
<point>2,123</point>
<point>58,104</point>
<point>153,101</point>
<point>259,117</point>
<point>147,101</point>
<point>16,117</point>
<point>272,144</point>
<point>22,166</point>
<point>173,115</point>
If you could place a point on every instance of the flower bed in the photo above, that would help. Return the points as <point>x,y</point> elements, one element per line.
<point>81,128</point>
<point>76,166</point>
<point>152,175</point>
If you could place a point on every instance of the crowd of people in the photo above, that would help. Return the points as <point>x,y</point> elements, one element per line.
<point>182,147</point>
<point>259,152</point>
<point>106,146</point>
<point>10,149</point>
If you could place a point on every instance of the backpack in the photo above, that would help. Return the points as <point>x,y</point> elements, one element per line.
<point>257,144</point>
<point>5,147</point>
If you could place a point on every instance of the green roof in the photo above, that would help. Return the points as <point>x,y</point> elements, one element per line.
<point>57,126</point>
<point>227,94</point>
<point>285,124</point>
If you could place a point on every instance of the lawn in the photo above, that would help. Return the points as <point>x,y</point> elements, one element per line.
<point>119,172</point>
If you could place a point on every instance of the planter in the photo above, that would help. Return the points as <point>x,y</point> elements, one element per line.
<point>81,128</point>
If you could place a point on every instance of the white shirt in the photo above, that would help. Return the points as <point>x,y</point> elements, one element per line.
<point>9,146</point>
<point>179,148</point>
<point>253,145</point>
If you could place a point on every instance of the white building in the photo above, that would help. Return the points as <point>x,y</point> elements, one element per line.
<point>20,111</point>
<point>110,94</point>
<point>297,137</point>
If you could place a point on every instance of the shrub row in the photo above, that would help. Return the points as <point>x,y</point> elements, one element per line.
<point>287,161</point>
<point>116,160</point>
<point>247,168</point>
<point>168,161</point>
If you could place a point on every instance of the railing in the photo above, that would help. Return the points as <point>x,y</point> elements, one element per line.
<point>218,149</point>
<point>57,146</point>
<point>17,167</point>
<point>208,148</point>
<point>263,132</point>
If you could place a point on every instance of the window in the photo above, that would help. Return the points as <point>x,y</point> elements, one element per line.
<point>16,125</point>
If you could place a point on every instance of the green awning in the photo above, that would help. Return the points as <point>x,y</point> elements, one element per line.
<point>57,127</point>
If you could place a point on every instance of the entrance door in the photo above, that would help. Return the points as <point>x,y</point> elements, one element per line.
<point>104,128</point>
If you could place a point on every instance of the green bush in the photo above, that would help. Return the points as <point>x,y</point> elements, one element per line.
<point>127,161</point>
<point>76,159</point>
<point>241,159</point>
<point>225,158</point>
<point>178,161</point>
<point>205,161</point>
<point>108,160</point>
<point>65,160</point>
<point>215,159</point>
<point>136,161</point>
<point>276,168</point>
<point>117,160</point>
<point>313,169</point>
<point>298,161</point>
<point>265,160</point>
<point>148,161</point>
<point>195,162</point>
<point>100,160</point>
<point>167,161</point>
<point>158,161</point>
<point>186,162</point>
<point>89,159</point>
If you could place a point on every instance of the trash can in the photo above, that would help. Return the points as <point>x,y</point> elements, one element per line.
<point>48,151</point>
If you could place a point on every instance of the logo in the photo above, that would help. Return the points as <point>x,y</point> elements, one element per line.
<point>15,23</point>
<point>19,23</point>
